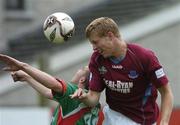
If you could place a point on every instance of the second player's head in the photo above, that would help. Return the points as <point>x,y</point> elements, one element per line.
<point>81,77</point>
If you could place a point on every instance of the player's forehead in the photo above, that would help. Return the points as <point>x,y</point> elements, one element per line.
<point>94,38</point>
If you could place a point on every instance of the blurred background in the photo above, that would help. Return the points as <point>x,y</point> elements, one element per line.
<point>155,24</point>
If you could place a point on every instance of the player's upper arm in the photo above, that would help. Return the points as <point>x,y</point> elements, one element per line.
<point>59,86</point>
<point>165,89</point>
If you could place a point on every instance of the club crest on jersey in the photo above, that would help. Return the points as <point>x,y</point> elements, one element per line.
<point>133,74</point>
<point>102,70</point>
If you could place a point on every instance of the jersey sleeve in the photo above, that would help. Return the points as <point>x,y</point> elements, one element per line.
<point>64,99</point>
<point>155,71</point>
<point>95,83</point>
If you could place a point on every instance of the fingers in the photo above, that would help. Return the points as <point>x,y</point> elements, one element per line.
<point>78,94</point>
<point>15,76</point>
<point>6,69</point>
<point>10,68</point>
<point>75,95</point>
<point>5,58</point>
<point>12,63</point>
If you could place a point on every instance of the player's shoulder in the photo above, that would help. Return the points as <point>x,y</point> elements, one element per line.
<point>68,88</point>
<point>139,50</point>
<point>71,85</point>
<point>144,55</point>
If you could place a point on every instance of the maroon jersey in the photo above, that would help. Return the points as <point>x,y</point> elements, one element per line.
<point>131,84</point>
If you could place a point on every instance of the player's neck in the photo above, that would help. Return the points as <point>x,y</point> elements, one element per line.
<point>120,50</point>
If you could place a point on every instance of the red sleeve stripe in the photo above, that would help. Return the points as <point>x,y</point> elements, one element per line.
<point>64,87</point>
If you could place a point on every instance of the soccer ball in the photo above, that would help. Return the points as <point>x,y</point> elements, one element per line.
<point>58,27</point>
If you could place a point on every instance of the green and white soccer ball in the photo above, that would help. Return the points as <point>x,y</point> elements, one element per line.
<point>58,27</point>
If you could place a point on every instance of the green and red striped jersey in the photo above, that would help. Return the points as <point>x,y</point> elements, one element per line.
<point>72,111</point>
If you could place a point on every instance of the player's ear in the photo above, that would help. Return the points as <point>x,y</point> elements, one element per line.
<point>81,82</point>
<point>82,79</point>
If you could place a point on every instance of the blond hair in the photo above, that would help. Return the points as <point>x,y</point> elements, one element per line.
<point>101,26</point>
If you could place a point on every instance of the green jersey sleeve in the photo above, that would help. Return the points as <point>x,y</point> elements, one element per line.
<point>64,98</point>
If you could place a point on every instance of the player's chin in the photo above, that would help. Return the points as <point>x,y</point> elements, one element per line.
<point>106,55</point>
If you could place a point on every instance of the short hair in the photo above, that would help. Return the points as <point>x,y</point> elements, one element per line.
<point>101,26</point>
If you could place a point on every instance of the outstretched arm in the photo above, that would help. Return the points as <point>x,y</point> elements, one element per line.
<point>22,76</point>
<point>40,76</point>
<point>166,104</point>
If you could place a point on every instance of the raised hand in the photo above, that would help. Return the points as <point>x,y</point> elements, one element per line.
<point>20,76</point>
<point>12,63</point>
